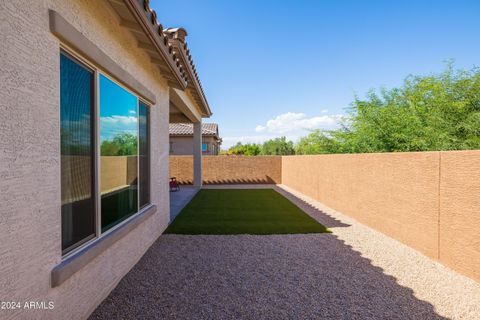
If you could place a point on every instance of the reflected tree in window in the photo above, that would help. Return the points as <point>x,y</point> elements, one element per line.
<point>119,153</point>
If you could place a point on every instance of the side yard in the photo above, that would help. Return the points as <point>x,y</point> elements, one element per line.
<point>354,272</point>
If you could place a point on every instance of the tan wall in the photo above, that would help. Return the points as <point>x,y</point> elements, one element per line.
<point>181,167</point>
<point>229,169</point>
<point>113,172</point>
<point>117,171</point>
<point>460,211</point>
<point>427,200</point>
<point>78,166</point>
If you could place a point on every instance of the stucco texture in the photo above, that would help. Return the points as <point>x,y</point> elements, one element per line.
<point>460,212</point>
<point>182,146</point>
<point>229,169</point>
<point>427,200</point>
<point>30,196</point>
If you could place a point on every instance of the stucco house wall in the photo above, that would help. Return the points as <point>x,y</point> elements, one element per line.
<point>30,195</point>
<point>183,145</point>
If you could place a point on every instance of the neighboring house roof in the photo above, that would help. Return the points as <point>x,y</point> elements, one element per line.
<point>186,129</point>
<point>175,62</point>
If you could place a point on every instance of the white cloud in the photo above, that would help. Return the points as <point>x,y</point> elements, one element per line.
<point>292,122</point>
<point>230,141</point>
<point>260,128</point>
<point>118,120</point>
<point>292,125</point>
<point>112,125</point>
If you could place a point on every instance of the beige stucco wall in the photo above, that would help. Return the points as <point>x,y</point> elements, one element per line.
<point>427,200</point>
<point>229,169</point>
<point>184,145</point>
<point>30,199</point>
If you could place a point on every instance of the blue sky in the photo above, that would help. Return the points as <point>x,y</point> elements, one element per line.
<point>118,110</point>
<point>272,68</point>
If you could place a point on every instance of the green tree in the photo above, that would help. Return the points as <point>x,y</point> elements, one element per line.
<point>317,142</point>
<point>427,113</point>
<point>122,144</point>
<point>249,149</point>
<point>277,146</point>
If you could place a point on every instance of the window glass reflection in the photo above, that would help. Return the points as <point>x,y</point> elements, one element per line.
<point>76,132</point>
<point>119,153</point>
<point>144,154</point>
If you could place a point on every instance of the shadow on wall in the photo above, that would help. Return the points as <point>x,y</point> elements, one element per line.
<point>266,180</point>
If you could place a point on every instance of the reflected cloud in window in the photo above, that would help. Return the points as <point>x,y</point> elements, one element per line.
<point>119,153</point>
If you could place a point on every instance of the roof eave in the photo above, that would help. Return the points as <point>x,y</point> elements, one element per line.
<point>189,66</point>
<point>154,32</point>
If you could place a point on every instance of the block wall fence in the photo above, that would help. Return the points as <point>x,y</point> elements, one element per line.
<point>229,169</point>
<point>429,201</point>
<point>117,171</point>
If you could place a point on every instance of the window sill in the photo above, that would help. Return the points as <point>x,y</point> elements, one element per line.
<point>81,258</point>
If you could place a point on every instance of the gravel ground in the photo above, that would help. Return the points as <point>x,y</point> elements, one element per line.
<point>353,273</point>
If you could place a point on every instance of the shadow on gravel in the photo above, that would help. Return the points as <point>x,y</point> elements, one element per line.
<point>322,217</point>
<point>314,276</point>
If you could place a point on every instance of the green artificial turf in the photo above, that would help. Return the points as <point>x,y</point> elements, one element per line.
<point>256,211</point>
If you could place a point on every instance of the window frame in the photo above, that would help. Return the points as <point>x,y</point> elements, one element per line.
<point>206,146</point>
<point>97,72</point>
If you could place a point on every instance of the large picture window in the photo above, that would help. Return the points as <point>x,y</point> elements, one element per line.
<point>99,192</point>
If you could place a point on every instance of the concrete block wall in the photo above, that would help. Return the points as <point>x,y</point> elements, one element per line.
<point>229,169</point>
<point>117,171</point>
<point>430,201</point>
<point>459,214</point>
<point>181,167</point>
